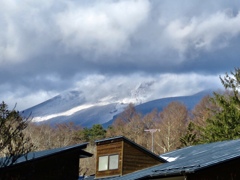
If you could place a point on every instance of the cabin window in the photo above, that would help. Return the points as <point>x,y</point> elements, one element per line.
<point>113,161</point>
<point>103,163</point>
<point>108,162</point>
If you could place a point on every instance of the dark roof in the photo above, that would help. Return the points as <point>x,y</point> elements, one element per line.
<point>150,153</point>
<point>46,153</point>
<point>190,159</point>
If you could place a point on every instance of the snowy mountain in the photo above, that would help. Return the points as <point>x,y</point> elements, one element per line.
<point>160,104</point>
<point>73,106</point>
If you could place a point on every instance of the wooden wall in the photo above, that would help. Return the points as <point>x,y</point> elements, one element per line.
<point>109,148</point>
<point>135,159</point>
<point>131,157</point>
<point>61,166</point>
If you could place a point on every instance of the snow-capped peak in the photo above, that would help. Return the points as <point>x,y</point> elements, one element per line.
<point>141,93</point>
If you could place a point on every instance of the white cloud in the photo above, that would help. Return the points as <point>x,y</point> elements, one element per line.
<point>44,45</point>
<point>104,28</point>
<point>34,28</point>
<point>24,101</point>
<point>96,87</point>
<point>207,33</point>
<point>25,30</point>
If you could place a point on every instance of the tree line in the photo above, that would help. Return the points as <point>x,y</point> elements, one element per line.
<point>214,118</point>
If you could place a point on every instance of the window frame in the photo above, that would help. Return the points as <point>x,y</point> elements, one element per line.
<point>114,163</point>
<point>102,162</point>
<point>111,165</point>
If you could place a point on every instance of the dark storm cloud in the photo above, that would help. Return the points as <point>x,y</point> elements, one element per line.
<point>50,46</point>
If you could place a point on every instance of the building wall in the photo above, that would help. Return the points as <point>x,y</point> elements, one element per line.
<point>135,159</point>
<point>109,148</point>
<point>224,171</point>
<point>61,166</point>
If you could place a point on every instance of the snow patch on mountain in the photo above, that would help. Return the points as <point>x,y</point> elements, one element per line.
<point>142,92</point>
<point>60,103</point>
<point>67,113</point>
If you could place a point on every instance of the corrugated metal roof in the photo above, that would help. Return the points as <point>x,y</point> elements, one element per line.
<point>191,159</point>
<point>43,154</point>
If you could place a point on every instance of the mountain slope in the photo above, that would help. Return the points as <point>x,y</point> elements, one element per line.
<point>189,101</point>
<point>72,106</point>
<point>159,104</point>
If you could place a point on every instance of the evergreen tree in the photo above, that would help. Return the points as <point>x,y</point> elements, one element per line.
<point>225,124</point>
<point>91,134</point>
<point>97,132</point>
<point>190,137</point>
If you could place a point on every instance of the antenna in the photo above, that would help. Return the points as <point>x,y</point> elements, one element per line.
<point>152,131</point>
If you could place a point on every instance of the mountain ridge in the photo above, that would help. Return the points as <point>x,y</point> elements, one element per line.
<point>72,106</point>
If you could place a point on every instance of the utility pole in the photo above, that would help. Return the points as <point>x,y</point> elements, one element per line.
<point>152,131</point>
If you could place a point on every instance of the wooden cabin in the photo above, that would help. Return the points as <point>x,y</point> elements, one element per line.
<point>118,156</point>
<point>54,164</point>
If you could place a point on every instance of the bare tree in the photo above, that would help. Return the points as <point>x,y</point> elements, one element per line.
<point>172,123</point>
<point>13,141</point>
<point>119,125</point>
<point>129,123</point>
<point>45,136</point>
<point>65,134</point>
<point>204,110</point>
<point>41,135</point>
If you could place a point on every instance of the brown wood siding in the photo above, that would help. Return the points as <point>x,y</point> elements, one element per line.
<point>109,148</point>
<point>135,159</point>
<point>57,167</point>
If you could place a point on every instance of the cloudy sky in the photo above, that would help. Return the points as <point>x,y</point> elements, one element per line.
<point>99,47</point>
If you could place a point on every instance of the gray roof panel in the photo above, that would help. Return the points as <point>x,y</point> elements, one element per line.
<point>42,154</point>
<point>191,159</point>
